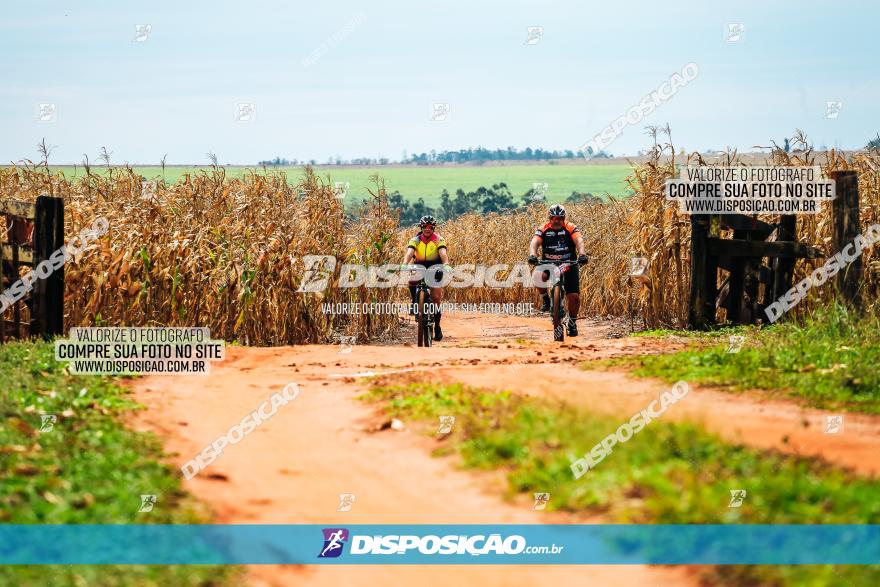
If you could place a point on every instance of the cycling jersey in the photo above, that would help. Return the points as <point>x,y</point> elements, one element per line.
<point>427,249</point>
<point>558,245</point>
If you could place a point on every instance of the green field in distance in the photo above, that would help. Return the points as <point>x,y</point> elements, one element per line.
<point>429,181</point>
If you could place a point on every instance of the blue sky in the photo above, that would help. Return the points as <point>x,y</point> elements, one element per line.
<point>381,65</point>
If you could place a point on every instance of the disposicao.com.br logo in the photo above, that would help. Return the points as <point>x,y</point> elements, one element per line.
<point>334,541</point>
<point>393,544</point>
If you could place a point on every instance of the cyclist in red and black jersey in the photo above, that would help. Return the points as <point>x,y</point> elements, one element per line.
<point>561,241</point>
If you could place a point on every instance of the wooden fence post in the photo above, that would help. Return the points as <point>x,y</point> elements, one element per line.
<point>845,210</point>
<point>48,293</point>
<point>704,276</point>
<point>735,285</point>
<point>783,267</point>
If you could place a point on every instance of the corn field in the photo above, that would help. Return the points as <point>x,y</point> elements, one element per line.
<point>227,253</point>
<point>647,225</point>
<point>212,251</point>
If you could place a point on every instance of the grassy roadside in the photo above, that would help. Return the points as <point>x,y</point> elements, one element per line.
<point>668,473</point>
<point>829,360</point>
<point>85,467</point>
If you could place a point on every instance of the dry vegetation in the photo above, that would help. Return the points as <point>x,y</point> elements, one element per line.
<point>646,225</point>
<point>213,251</point>
<point>228,253</point>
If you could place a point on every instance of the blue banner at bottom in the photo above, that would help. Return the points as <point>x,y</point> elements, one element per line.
<point>440,544</point>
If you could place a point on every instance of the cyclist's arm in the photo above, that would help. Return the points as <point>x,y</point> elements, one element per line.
<point>410,253</point>
<point>579,243</point>
<point>443,256</point>
<point>534,244</point>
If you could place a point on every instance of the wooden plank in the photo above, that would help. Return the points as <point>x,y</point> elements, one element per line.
<point>845,211</point>
<point>10,331</point>
<point>25,254</point>
<point>751,271</point>
<point>743,222</point>
<point>18,208</point>
<point>751,287</point>
<point>711,287</point>
<point>783,267</point>
<point>737,273</point>
<point>710,283</point>
<point>766,274</point>
<point>47,319</point>
<point>16,307</point>
<point>744,248</point>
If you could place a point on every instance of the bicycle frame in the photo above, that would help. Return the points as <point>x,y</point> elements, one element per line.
<point>557,299</point>
<point>424,314</point>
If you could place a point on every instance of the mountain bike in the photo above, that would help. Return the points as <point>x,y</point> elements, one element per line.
<point>424,311</point>
<point>424,314</point>
<point>557,299</point>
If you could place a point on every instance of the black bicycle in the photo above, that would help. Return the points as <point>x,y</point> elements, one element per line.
<point>424,312</point>
<point>557,299</point>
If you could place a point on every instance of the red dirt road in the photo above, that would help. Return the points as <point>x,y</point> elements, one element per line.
<point>293,467</point>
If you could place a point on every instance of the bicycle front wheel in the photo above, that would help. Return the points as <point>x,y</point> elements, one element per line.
<point>557,300</point>
<point>424,321</point>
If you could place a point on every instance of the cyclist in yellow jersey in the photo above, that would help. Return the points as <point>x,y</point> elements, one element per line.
<point>428,249</point>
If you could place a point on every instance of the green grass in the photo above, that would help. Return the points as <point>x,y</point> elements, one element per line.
<point>668,473</point>
<point>830,360</point>
<point>88,469</point>
<point>723,331</point>
<point>429,181</point>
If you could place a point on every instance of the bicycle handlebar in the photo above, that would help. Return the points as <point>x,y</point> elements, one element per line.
<point>555,262</point>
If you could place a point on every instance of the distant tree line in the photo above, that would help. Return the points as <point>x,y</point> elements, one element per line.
<point>483,200</point>
<point>278,161</point>
<point>368,161</point>
<point>472,155</point>
<point>480,154</point>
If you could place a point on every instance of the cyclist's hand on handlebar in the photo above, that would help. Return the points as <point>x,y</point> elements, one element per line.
<point>533,260</point>
<point>583,260</point>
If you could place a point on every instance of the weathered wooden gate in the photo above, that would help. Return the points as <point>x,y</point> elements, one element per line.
<point>33,232</point>
<point>743,258</point>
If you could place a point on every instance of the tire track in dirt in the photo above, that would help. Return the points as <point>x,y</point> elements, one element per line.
<point>292,468</point>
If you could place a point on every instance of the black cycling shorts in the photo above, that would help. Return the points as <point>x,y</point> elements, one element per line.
<point>571,279</point>
<point>437,275</point>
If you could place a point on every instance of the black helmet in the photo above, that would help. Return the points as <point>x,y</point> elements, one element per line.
<point>426,220</point>
<point>557,210</point>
